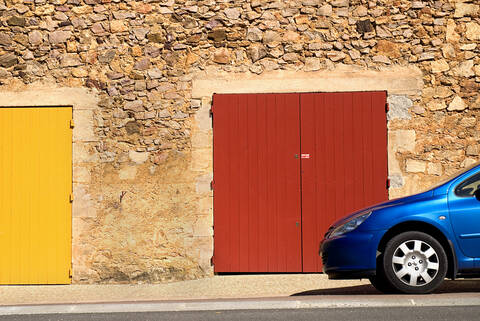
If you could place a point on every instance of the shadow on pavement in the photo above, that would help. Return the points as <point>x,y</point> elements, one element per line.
<point>457,286</point>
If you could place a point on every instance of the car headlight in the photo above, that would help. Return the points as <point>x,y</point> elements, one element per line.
<point>350,225</point>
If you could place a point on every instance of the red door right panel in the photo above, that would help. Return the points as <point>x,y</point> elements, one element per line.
<point>344,161</point>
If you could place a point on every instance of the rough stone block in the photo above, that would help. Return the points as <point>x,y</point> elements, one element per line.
<point>464,69</point>
<point>205,206</point>
<point>473,31</point>
<point>396,180</point>
<point>436,105</point>
<point>138,157</point>
<point>312,64</point>
<point>127,173</point>
<point>81,174</point>
<point>84,152</point>
<point>203,121</point>
<point>399,107</point>
<point>435,169</point>
<point>439,66</point>
<point>403,140</point>
<point>202,227</point>
<point>202,185</point>
<point>467,162</point>
<point>465,9</point>
<point>457,104</point>
<point>84,126</point>
<point>468,122</point>
<point>83,205</point>
<point>473,150</point>
<point>201,159</point>
<point>415,166</point>
<point>202,139</point>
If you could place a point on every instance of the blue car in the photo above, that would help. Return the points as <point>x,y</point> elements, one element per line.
<point>410,244</point>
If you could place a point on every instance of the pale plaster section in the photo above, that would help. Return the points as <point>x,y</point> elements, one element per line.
<point>395,80</point>
<point>84,103</point>
<point>127,173</point>
<point>399,141</point>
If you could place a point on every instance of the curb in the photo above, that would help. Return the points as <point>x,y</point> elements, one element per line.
<point>243,304</point>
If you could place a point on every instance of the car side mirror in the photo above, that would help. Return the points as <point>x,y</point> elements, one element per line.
<point>477,194</point>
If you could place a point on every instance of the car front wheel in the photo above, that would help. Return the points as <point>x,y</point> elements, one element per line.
<point>414,262</point>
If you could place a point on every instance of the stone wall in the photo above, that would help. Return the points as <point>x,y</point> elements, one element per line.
<point>143,205</point>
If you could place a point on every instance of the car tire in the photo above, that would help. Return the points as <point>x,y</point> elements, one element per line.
<point>414,263</point>
<point>380,281</point>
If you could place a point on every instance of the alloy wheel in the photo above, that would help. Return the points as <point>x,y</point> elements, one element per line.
<point>415,263</point>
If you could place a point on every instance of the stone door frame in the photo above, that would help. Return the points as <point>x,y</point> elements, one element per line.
<point>401,84</point>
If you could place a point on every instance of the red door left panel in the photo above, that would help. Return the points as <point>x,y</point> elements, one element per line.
<point>257,211</point>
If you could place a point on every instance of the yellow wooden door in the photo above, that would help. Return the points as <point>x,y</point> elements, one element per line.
<point>35,189</point>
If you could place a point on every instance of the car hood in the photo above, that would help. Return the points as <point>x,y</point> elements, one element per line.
<point>390,203</point>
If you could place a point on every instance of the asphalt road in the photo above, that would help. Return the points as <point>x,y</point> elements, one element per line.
<point>463,313</point>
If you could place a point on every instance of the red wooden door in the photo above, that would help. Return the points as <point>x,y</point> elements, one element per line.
<point>257,206</point>
<point>344,135</point>
<point>271,208</point>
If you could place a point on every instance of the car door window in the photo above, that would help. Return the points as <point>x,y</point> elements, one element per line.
<point>469,186</point>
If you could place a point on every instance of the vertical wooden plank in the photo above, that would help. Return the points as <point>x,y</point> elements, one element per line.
<point>3,216</point>
<point>272,132</point>
<point>358,138</point>
<point>321,184</point>
<point>262,179</point>
<point>366,103</point>
<point>222,242</point>
<point>5,195</point>
<point>279,182</point>
<point>14,211</point>
<point>253,175</point>
<point>243,183</point>
<point>49,223</point>
<point>309,178</point>
<point>339,155</point>
<point>348,137</point>
<point>330,157</point>
<point>291,198</point>
<point>235,188</point>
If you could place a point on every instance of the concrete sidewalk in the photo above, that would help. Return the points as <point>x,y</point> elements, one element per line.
<point>224,292</point>
<point>217,287</point>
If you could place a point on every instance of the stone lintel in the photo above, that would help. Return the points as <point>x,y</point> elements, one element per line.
<point>78,98</point>
<point>395,80</point>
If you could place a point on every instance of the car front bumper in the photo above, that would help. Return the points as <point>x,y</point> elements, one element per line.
<point>350,256</point>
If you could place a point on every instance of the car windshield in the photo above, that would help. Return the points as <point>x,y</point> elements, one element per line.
<point>450,177</point>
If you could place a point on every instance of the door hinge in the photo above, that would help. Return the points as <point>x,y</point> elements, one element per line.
<point>212,260</point>
<point>70,273</point>
<point>388,183</point>
<point>72,124</point>
<point>71,197</point>
<point>387,107</point>
<point>212,185</point>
